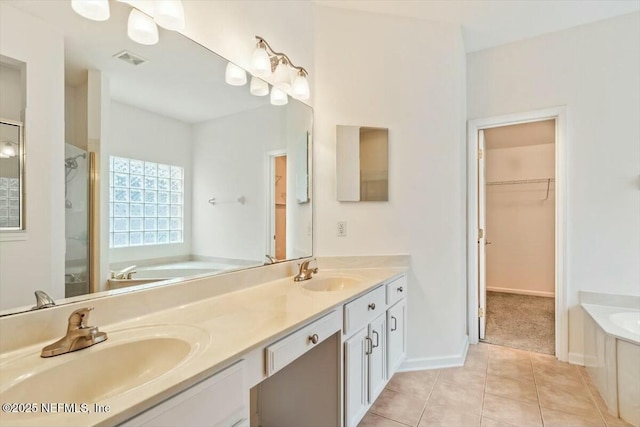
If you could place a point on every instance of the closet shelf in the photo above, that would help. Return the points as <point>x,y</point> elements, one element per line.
<point>547,181</point>
<point>523,181</point>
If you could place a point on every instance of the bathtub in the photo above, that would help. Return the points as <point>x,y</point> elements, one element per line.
<point>168,271</point>
<point>612,357</point>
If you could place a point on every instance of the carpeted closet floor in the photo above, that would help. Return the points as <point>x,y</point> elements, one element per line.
<point>521,321</point>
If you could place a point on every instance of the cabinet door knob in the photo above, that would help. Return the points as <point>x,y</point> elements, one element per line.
<point>372,306</point>
<point>400,289</point>
<point>314,338</point>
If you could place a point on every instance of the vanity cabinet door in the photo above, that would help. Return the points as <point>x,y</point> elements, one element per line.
<point>377,357</point>
<point>396,336</point>
<point>356,354</point>
<point>221,400</point>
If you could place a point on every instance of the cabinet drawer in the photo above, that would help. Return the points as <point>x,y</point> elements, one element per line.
<point>361,311</point>
<point>396,289</point>
<point>292,346</point>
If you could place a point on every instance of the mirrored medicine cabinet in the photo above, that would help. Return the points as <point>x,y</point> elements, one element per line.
<point>362,164</point>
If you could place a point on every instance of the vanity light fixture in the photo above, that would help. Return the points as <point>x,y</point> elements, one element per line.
<point>258,87</point>
<point>141,28</point>
<point>300,86</point>
<point>234,75</point>
<point>7,150</point>
<point>96,10</point>
<point>169,14</point>
<point>277,67</point>
<point>278,96</point>
<point>144,18</point>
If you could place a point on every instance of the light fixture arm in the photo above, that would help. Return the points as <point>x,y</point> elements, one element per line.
<point>279,55</point>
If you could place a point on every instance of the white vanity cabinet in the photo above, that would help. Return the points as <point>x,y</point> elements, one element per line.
<point>396,323</point>
<point>221,400</point>
<point>374,345</point>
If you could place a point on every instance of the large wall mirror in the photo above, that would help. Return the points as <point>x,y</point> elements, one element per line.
<point>168,171</point>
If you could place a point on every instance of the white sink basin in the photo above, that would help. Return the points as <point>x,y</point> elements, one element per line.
<point>330,283</point>
<point>127,359</point>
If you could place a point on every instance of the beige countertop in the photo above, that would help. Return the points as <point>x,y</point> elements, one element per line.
<point>228,326</point>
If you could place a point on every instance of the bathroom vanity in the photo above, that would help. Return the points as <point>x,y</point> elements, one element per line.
<point>273,354</point>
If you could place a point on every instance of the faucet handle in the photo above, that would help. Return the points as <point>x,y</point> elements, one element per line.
<point>79,318</point>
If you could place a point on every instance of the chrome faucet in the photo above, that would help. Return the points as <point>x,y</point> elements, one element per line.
<point>305,272</point>
<point>125,273</point>
<point>43,300</point>
<point>78,336</point>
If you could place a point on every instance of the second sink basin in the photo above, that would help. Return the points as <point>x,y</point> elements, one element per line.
<point>127,359</point>
<point>330,283</point>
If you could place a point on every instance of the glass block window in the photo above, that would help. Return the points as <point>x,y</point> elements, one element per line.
<point>145,203</point>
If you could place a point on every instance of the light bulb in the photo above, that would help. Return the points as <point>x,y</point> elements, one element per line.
<point>141,28</point>
<point>234,75</point>
<point>300,87</point>
<point>258,87</point>
<point>278,97</point>
<point>282,76</point>
<point>260,62</point>
<point>8,150</point>
<point>96,10</point>
<point>169,14</point>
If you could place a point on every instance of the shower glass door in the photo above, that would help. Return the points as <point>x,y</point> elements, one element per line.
<point>76,172</point>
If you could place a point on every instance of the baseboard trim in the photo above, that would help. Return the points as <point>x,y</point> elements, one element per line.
<point>425,363</point>
<point>576,359</point>
<point>522,292</point>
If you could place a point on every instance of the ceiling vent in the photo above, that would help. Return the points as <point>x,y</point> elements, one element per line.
<point>130,58</point>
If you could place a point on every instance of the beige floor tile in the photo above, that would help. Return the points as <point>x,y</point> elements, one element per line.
<point>553,418</point>
<point>400,407</point>
<point>464,376</point>
<point>488,422</point>
<point>516,368</point>
<point>612,421</point>
<point>562,400</point>
<point>436,416</point>
<point>576,388</point>
<point>554,367</point>
<point>481,347</point>
<point>519,413</point>
<point>558,380</point>
<point>454,397</point>
<point>514,389</point>
<point>373,420</point>
<point>477,360</point>
<point>497,352</point>
<point>417,383</point>
<point>452,405</point>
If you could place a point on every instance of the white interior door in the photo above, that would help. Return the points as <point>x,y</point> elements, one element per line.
<point>482,235</point>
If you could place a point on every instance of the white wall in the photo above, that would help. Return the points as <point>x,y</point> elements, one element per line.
<point>519,223</point>
<point>12,90</point>
<point>408,76</point>
<point>230,160</point>
<point>38,261</point>
<point>595,71</point>
<point>143,135</point>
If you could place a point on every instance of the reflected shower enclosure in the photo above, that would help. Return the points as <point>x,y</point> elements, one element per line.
<point>76,173</point>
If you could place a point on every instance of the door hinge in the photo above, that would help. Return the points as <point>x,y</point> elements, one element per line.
<point>480,152</point>
<point>480,312</point>
<point>480,233</point>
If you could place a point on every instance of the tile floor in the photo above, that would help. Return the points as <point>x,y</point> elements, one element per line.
<point>496,387</point>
